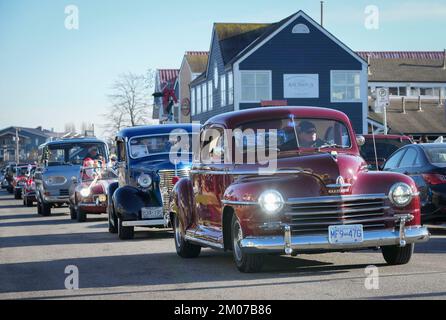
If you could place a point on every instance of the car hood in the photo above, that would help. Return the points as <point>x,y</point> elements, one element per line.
<point>66,171</point>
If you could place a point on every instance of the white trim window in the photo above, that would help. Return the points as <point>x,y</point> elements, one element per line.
<point>223,90</point>
<point>210,96</point>
<point>345,86</point>
<point>192,101</point>
<point>230,88</point>
<point>256,86</point>
<point>199,99</point>
<point>204,96</point>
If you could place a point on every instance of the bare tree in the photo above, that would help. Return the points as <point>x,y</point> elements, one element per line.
<point>115,121</point>
<point>130,98</point>
<point>70,127</point>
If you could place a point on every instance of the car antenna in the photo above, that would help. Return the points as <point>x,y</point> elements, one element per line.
<point>295,131</point>
<point>374,149</point>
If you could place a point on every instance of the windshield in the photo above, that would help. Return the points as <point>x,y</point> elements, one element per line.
<point>299,133</point>
<point>141,147</point>
<point>436,155</point>
<point>97,172</point>
<point>74,154</point>
<point>23,171</point>
<point>384,148</point>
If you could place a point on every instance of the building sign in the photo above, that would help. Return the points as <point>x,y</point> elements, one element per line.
<point>301,85</point>
<point>185,107</point>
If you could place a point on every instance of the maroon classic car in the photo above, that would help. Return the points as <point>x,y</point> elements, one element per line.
<point>89,194</point>
<point>317,194</point>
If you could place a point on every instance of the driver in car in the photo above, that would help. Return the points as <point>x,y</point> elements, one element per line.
<point>307,134</point>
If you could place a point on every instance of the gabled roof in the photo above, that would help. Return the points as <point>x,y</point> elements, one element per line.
<point>416,66</point>
<point>235,37</point>
<point>197,60</point>
<point>32,131</point>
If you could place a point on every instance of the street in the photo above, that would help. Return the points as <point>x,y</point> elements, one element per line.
<point>35,250</point>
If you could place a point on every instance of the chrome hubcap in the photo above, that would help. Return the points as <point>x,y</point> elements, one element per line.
<point>237,237</point>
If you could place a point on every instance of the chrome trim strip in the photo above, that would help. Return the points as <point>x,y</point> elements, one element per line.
<point>340,186</point>
<point>239,203</point>
<point>327,212</point>
<point>203,242</point>
<point>372,239</point>
<point>142,223</point>
<point>330,199</point>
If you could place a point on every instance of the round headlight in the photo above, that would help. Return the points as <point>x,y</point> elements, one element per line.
<point>401,194</point>
<point>271,201</point>
<point>144,181</point>
<point>85,192</point>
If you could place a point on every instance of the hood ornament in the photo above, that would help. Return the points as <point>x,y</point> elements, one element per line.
<point>340,186</point>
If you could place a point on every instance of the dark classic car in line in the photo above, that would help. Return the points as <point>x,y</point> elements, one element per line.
<point>378,148</point>
<point>88,195</point>
<point>426,165</point>
<point>321,197</point>
<point>146,176</point>
<point>29,190</point>
<point>59,165</point>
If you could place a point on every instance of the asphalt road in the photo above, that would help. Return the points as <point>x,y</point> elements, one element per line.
<point>34,252</point>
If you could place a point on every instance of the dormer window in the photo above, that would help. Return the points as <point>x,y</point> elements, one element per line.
<point>301,29</point>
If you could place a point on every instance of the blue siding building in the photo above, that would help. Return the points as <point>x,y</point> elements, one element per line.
<point>295,61</point>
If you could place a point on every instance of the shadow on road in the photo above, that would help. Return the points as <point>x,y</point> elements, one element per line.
<point>163,269</point>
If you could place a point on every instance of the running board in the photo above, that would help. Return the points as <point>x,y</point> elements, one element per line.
<point>204,243</point>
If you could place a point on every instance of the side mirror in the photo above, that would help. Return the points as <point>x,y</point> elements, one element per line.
<point>360,140</point>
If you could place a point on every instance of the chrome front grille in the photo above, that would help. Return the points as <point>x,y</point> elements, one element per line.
<point>166,186</point>
<point>315,215</point>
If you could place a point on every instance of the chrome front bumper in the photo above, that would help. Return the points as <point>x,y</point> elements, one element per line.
<point>144,223</point>
<point>57,199</point>
<point>293,243</point>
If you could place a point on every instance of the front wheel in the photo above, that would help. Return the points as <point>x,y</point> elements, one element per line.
<point>125,233</point>
<point>184,249</point>
<point>73,213</point>
<point>17,194</point>
<point>81,215</point>
<point>247,263</point>
<point>28,202</point>
<point>112,225</point>
<point>45,209</point>
<point>396,255</point>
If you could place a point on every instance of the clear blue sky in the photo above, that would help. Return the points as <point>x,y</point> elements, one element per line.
<point>50,76</point>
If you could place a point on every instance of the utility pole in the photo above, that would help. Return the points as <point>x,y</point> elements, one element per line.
<point>17,151</point>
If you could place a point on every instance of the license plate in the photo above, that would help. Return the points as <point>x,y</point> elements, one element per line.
<point>348,234</point>
<point>152,213</point>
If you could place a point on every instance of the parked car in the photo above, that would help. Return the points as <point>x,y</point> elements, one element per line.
<point>146,175</point>
<point>29,190</point>
<point>60,163</point>
<point>9,177</point>
<point>3,182</point>
<point>321,197</point>
<point>386,145</point>
<point>20,179</point>
<point>89,194</point>
<point>426,165</point>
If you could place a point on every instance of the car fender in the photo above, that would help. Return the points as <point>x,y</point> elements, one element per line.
<point>128,201</point>
<point>183,203</point>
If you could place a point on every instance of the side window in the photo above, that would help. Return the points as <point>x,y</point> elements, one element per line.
<point>212,140</point>
<point>122,157</point>
<point>392,163</point>
<point>409,158</point>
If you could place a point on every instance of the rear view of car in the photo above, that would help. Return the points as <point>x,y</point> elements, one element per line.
<point>386,145</point>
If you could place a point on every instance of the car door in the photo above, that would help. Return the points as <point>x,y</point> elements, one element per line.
<point>210,181</point>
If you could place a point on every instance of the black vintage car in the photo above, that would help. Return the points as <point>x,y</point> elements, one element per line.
<point>426,165</point>
<point>146,176</point>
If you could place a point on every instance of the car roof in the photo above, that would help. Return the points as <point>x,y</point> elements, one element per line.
<point>155,129</point>
<point>233,119</point>
<point>72,141</point>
